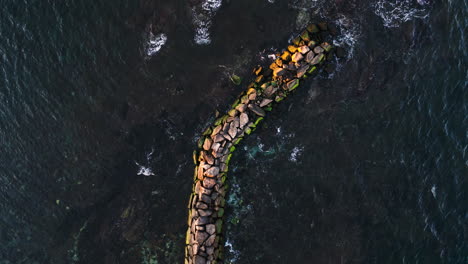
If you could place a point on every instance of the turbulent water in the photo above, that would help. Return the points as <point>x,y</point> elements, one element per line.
<point>101,103</point>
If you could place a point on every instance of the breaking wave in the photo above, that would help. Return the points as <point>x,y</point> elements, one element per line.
<point>202,16</point>
<point>396,12</point>
<point>155,43</point>
<point>350,32</point>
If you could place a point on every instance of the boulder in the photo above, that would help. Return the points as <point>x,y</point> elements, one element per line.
<point>265,102</point>
<point>241,108</point>
<point>227,137</point>
<point>217,145</point>
<point>256,109</point>
<point>195,248</point>
<point>207,157</point>
<point>201,205</point>
<point>303,49</point>
<point>208,183</point>
<point>204,212</point>
<point>309,56</point>
<point>305,35</point>
<point>279,62</point>
<point>216,130</point>
<point>252,96</point>
<point>212,172</point>
<point>206,199</point>
<point>326,46</point>
<point>226,127</point>
<point>297,57</point>
<point>291,85</point>
<point>232,112</point>
<point>201,236</point>
<point>269,91</point>
<point>201,220</point>
<point>312,44</point>
<point>286,56</point>
<point>302,70</point>
<point>236,122</point>
<point>292,49</point>
<point>209,242</point>
<point>278,72</point>
<point>317,59</point>
<point>296,40</point>
<point>200,172</point>
<point>243,120</point>
<point>232,130</point>
<point>199,260</point>
<point>318,50</point>
<point>211,229</point>
<point>216,139</point>
<point>291,66</point>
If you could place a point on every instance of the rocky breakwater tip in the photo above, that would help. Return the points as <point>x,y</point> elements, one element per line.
<point>303,57</point>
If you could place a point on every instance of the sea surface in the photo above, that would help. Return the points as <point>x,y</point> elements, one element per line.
<point>101,103</point>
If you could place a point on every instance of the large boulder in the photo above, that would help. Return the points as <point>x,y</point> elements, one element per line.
<point>256,109</point>
<point>297,57</point>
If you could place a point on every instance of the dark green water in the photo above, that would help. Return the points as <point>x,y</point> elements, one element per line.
<point>367,165</point>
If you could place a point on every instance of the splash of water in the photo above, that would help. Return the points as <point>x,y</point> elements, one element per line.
<point>202,16</point>
<point>350,32</point>
<point>155,43</point>
<point>396,12</point>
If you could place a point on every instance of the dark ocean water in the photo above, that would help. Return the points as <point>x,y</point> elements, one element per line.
<point>367,165</point>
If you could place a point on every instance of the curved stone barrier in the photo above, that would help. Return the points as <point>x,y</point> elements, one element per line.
<point>306,54</point>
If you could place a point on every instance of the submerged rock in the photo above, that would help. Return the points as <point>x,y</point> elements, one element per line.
<point>326,46</point>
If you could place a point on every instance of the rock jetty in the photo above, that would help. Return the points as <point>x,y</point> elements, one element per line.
<point>303,57</point>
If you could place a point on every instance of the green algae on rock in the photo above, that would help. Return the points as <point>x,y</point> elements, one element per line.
<point>271,85</point>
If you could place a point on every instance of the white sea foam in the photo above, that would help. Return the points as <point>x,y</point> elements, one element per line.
<point>142,170</point>
<point>434,191</point>
<point>234,253</point>
<point>155,43</point>
<point>202,20</point>
<point>350,32</point>
<point>396,12</point>
<point>146,170</point>
<point>295,153</point>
